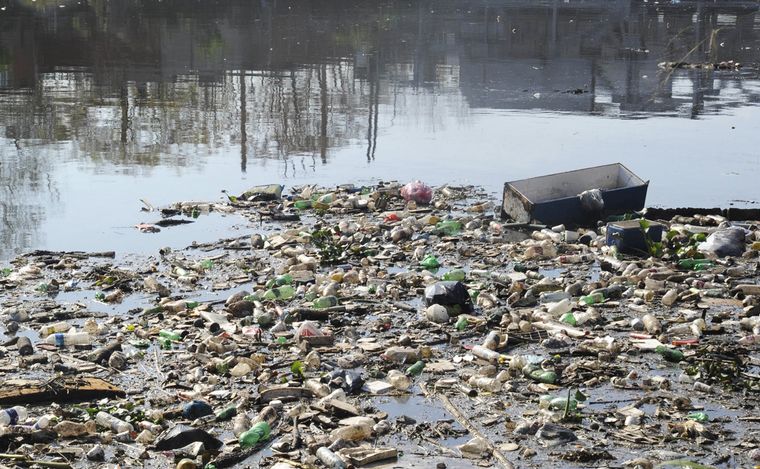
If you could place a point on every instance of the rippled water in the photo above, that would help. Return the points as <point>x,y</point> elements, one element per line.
<point>104,103</point>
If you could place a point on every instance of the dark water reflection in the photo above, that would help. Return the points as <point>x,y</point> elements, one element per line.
<point>137,90</point>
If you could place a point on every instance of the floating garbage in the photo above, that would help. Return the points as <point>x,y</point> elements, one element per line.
<point>371,330</point>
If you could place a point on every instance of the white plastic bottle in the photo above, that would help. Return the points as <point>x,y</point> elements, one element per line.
<point>73,338</point>
<point>117,425</point>
<point>13,415</point>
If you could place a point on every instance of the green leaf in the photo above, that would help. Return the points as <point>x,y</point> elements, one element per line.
<point>297,368</point>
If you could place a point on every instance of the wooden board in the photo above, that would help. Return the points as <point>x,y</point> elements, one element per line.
<point>62,389</point>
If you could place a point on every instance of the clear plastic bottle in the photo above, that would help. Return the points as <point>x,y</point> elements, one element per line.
<point>329,458</point>
<point>485,384</point>
<point>485,353</point>
<point>116,425</point>
<point>560,308</point>
<point>73,338</point>
<point>356,432</point>
<point>13,415</point>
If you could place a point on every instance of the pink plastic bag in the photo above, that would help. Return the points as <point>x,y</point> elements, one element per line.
<point>417,191</point>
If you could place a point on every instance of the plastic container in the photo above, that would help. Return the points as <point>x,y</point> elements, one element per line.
<point>13,415</point>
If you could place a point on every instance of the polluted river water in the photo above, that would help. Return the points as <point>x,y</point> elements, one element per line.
<point>110,108</point>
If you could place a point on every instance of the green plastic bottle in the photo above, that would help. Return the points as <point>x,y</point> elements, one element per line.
<point>284,292</point>
<point>302,204</point>
<point>695,264</point>
<point>169,335</point>
<point>569,318</point>
<point>592,299</point>
<point>456,274</point>
<point>415,369</point>
<point>325,302</point>
<point>430,262</point>
<point>669,354</point>
<point>700,417</point>
<point>259,432</point>
<point>536,373</point>
<point>226,413</point>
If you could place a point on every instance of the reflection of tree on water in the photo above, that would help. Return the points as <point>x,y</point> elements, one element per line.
<point>142,84</point>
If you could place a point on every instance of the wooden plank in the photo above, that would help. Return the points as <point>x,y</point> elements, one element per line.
<point>63,389</point>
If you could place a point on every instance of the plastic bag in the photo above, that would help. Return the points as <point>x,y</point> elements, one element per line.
<point>417,191</point>
<point>725,242</point>
<point>308,329</point>
<point>592,200</point>
<point>451,294</point>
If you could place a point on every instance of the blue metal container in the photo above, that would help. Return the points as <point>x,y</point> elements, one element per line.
<point>554,199</point>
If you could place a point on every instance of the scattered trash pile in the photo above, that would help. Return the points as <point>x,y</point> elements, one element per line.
<point>391,324</point>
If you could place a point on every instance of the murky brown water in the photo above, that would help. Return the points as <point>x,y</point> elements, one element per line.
<point>106,102</point>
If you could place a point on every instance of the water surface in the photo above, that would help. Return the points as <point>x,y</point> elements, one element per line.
<point>104,103</point>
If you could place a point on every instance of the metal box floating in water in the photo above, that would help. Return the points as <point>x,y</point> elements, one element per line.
<point>629,237</point>
<point>554,199</point>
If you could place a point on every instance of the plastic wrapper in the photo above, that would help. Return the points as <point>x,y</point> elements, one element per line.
<point>592,200</point>
<point>725,242</point>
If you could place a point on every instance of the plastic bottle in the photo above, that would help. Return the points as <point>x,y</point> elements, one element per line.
<point>402,354</point>
<point>485,354</point>
<point>330,459</point>
<point>73,338</point>
<point>485,384</point>
<point>651,324</point>
<point>575,259</point>
<point>240,424</point>
<point>170,335</point>
<point>695,264</point>
<point>583,317</point>
<point>48,329</point>
<point>415,369</point>
<point>455,275</point>
<point>560,308</point>
<point>669,298</point>
<point>258,432</point>
<point>700,417</point>
<point>116,425</point>
<point>449,227</point>
<point>536,373</point>
<point>13,415</point>
<point>356,432</point>
<point>556,403</point>
<point>569,318</point>
<point>280,280</point>
<point>325,302</point>
<point>592,299</point>
<point>430,262</point>
<point>669,354</point>
<point>554,296</point>
<point>284,292</point>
